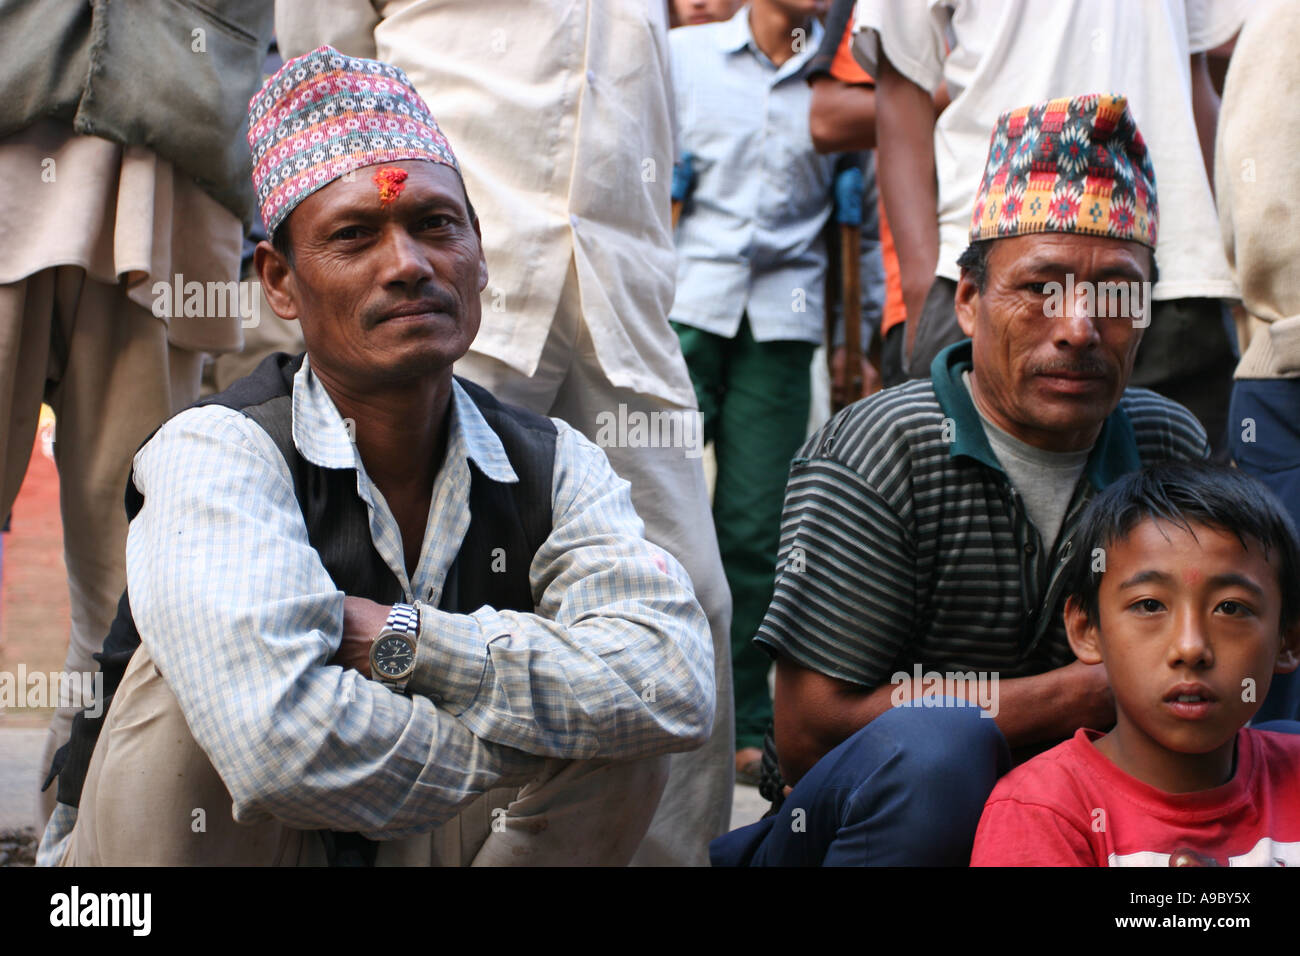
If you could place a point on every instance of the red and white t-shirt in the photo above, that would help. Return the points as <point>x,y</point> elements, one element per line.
<point>1071,806</point>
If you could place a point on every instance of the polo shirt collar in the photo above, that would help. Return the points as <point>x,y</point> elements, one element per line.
<point>323,438</point>
<point>1115,452</point>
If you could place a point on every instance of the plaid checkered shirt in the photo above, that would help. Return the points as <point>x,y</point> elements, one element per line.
<point>238,611</point>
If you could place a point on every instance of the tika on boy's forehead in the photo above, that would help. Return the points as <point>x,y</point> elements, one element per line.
<point>391,181</point>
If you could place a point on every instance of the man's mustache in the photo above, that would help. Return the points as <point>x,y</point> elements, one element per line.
<point>434,300</point>
<point>1094,367</point>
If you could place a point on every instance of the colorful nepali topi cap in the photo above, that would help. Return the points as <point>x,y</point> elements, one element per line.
<point>323,115</point>
<point>1077,164</point>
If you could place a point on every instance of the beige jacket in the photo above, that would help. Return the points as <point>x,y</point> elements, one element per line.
<point>1257,181</point>
<point>561,117</point>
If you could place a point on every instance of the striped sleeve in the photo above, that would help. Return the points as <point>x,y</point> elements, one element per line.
<point>1163,429</point>
<point>844,600</point>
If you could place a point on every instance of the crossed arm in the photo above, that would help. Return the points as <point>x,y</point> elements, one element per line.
<point>815,712</point>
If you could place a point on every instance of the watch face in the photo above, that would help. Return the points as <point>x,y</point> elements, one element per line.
<point>392,657</point>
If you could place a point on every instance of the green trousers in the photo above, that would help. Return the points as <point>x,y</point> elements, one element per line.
<point>754,399</point>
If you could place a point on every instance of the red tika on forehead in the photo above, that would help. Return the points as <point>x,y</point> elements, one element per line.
<point>391,181</point>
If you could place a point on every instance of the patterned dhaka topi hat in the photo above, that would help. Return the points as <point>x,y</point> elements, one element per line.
<point>323,115</point>
<point>1069,165</point>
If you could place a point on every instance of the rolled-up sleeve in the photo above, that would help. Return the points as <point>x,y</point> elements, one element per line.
<point>616,662</point>
<point>1211,23</point>
<point>241,618</point>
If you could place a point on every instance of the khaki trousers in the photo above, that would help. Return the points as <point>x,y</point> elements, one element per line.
<point>152,798</point>
<point>105,366</point>
<point>670,494</point>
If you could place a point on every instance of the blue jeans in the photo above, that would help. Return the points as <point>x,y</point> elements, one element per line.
<point>905,790</point>
<point>1264,411</point>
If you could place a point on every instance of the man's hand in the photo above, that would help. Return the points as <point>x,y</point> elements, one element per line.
<point>842,390</point>
<point>1095,706</point>
<point>362,621</point>
<point>842,117</point>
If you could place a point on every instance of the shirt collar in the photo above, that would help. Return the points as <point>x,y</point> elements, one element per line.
<point>1115,452</point>
<point>323,437</point>
<point>735,35</point>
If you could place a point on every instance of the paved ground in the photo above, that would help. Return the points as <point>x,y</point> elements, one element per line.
<point>20,757</point>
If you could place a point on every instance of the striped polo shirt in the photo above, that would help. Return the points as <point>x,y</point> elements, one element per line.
<point>903,541</point>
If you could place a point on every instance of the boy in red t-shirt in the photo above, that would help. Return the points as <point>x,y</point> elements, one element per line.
<point>1186,585</point>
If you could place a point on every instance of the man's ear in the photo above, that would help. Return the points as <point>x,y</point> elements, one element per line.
<point>277,280</point>
<point>482,257</point>
<point>966,303</point>
<point>1082,635</point>
<point>1288,659</point>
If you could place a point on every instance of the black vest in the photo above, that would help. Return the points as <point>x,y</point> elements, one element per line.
<point>513,517</point>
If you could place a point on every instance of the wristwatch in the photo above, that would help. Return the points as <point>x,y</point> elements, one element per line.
<point>392,654</point>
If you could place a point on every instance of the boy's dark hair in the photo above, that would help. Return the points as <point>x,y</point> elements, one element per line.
<point>1186,495</point>
<point>975,260</point>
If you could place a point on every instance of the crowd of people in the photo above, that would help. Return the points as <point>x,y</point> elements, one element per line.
<point>983,308</point>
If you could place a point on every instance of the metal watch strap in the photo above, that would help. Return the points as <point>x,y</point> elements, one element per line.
<point>404,619</point>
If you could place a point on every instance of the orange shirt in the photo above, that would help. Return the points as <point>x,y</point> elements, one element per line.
<point>846,69</point>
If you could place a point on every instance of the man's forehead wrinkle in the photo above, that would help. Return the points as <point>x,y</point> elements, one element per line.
<point>1106,263</point>
<point>1040,263</point>
<point>357,200</point>
<point>1111,256</point>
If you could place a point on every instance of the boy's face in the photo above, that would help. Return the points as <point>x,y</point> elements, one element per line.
<point>1189,633</point>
